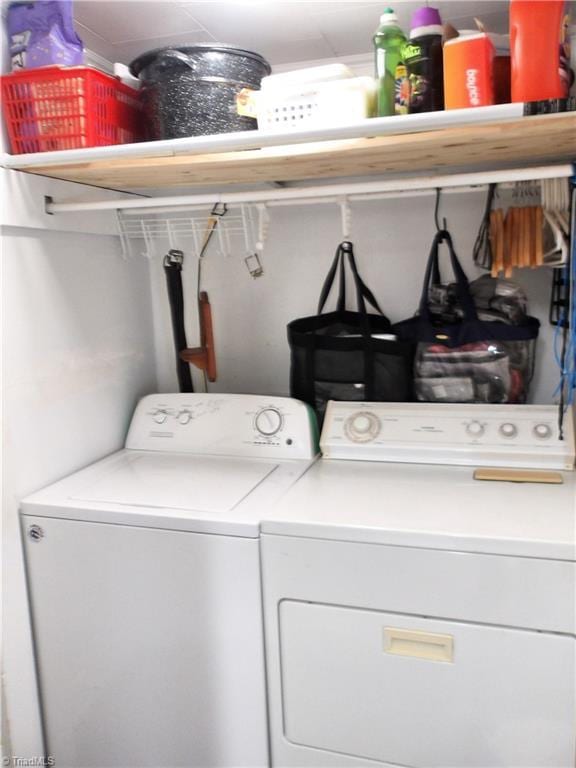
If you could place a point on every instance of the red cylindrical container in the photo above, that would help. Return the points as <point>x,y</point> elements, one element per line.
<point>535,27</point>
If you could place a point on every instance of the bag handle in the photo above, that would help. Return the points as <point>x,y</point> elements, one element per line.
<point>329,282</point>
<point>433,274</point>
<point>363,293</point>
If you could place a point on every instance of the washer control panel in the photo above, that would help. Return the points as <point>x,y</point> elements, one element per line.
<point>231,425</point>
<point>524,436</point>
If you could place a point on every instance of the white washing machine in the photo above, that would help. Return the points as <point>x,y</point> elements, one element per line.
<point>144,582</point>
<point>415,615</point>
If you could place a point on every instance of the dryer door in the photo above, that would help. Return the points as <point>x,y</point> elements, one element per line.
<point>423,692</point>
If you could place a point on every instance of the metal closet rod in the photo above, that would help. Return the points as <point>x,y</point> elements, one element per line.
<point>326,193</point>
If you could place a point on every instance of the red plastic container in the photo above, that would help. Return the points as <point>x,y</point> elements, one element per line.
<point>535,27</point>
<point>68,107</point>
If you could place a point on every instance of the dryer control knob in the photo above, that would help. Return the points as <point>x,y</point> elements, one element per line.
<point>508,429</point>
<point>362,427</point>
<point>475,429</point>
<point>543,431</point>
<point>160,417</point>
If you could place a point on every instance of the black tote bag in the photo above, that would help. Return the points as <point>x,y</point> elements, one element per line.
<point>347,355</point>
<point>468,360</point>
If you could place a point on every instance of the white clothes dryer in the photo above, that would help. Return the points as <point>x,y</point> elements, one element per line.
<point>415,615</point>
<point>144,583</point>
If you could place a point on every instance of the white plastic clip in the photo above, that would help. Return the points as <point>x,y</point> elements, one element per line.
<point>253,265</point>
<point>346,218</point>
<point>263,224</point>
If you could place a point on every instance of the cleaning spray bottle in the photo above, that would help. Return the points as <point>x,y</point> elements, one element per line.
<point>389,41</point>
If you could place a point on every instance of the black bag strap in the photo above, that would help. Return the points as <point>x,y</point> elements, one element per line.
<point>329,282</point>
<point>432,275</point>
<point>173,271</point>
<point>363,293</point>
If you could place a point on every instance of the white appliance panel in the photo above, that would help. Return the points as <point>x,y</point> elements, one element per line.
<point>414,691</point>
<point>417,616</point>
<point>521,592</point>
<point>429,506</point>
<point>149,645</point>
<point>209,484</point>
<point>254,426</point>
<point>524,436</point>
<point>533,596</point>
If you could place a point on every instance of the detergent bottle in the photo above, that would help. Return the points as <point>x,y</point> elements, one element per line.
<point>423,59</point>
<point>535,36</point>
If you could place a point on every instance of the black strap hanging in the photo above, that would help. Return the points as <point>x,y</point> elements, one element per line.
<point>362,291</point>
<point>173,269</point>
<point>482,252</point>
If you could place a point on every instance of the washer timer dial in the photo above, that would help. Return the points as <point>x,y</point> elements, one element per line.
<point>268,421</point>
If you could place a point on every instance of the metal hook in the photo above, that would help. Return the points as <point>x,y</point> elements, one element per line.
<point>436,212</point>
<point>219,209</point>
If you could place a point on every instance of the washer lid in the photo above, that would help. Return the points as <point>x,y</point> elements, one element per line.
<point>202,483</point>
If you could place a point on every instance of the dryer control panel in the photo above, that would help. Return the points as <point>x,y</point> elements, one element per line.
<point>520,436</point>
<point>225,425</point>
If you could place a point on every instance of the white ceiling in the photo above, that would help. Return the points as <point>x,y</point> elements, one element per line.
<point>283,32</point>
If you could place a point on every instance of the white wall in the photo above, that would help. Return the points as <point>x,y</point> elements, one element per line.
<point>77,354</point>
<point>80,345</point>
<point>392,239</point>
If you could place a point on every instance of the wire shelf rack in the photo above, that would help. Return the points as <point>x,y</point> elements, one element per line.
<point>238,231</point>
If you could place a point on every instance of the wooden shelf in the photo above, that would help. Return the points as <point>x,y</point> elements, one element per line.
<point>526,141</point>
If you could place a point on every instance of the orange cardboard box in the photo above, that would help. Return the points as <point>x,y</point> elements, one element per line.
<point>469,71</point>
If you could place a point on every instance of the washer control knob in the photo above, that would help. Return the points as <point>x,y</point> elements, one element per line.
<point>268,421</point>
<point>508,430</point>
<point>475,429</point>
<point>184,417</point>
<point>160,417</point>
<point>543,431</point>
<point>362,427</point>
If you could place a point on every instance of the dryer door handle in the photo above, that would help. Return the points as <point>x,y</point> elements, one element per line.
<point>421,645</point>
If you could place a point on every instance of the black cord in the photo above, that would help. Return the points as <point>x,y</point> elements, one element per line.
<point>218,210</point>
<point>562,368</point>
<point>482,251</point>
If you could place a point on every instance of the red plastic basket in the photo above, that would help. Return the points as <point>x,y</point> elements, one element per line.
<point>68,107</point>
